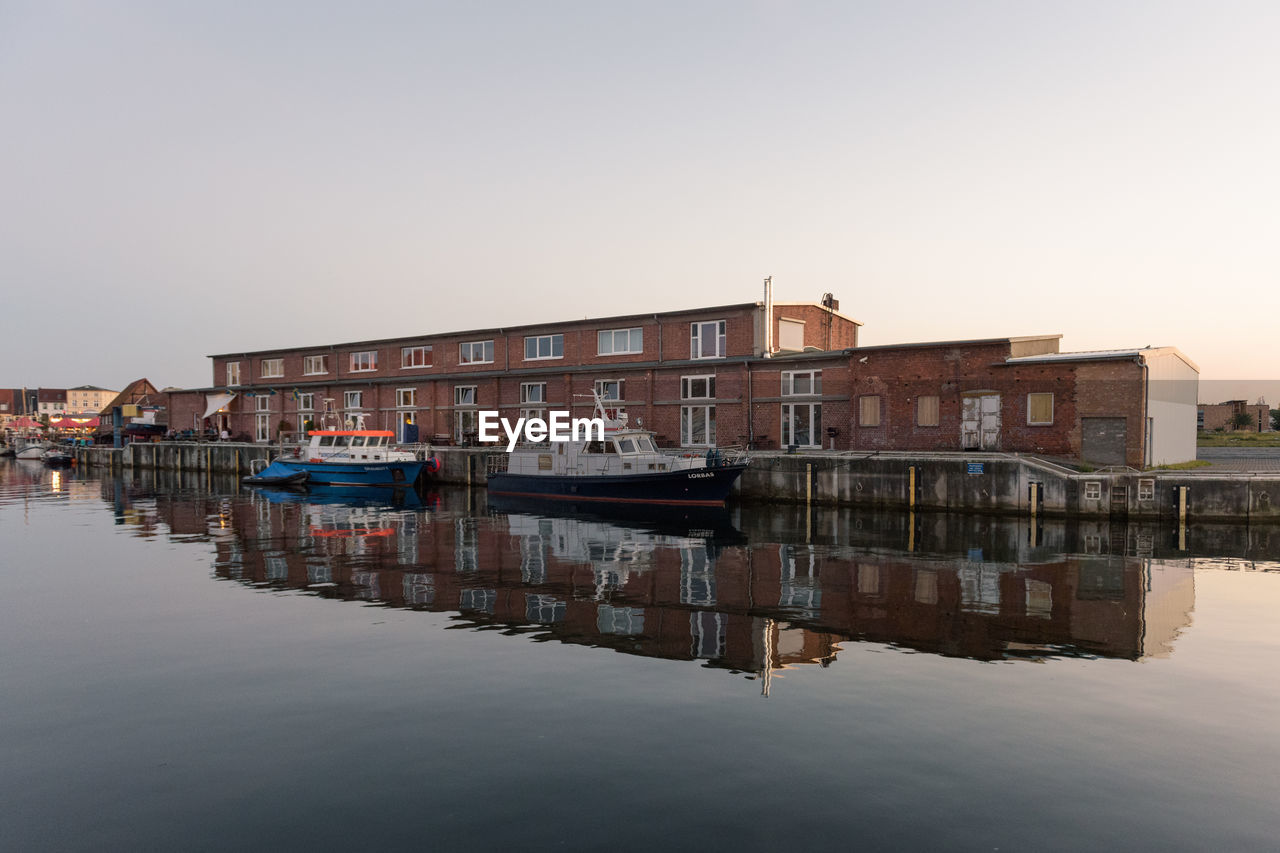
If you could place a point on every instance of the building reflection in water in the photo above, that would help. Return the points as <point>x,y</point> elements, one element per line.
<point>770,589</point>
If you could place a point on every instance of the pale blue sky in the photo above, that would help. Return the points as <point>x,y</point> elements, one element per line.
<point>186,178</point>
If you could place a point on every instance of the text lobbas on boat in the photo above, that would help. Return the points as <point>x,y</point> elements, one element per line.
<point>558,427</point>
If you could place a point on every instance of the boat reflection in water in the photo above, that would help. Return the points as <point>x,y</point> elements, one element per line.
<point>750,596</point>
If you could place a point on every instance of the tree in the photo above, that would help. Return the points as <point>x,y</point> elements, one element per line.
<point>1275,419</point>
<point>1241,420</point>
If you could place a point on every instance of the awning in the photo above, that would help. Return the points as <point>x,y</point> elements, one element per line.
<point>215,402</point>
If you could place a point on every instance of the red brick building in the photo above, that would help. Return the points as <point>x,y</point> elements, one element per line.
<point>745,374</point>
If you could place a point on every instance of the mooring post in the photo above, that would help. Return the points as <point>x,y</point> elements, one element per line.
<point>911,488</point>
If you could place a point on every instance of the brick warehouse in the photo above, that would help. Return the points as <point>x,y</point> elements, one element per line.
<point>767,377</point>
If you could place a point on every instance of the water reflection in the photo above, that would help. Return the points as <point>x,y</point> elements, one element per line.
<point>753,590</point>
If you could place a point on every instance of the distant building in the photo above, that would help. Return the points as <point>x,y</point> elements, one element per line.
<point>1222,416</point>
<point>88,398</point>
<point>52,402</point>
<point>764,376</point>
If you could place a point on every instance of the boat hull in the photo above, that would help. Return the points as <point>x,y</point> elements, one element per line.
<point>355,474</point>
<point>692,487</point>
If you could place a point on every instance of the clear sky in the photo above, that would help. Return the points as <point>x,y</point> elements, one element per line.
<point>183,178</point>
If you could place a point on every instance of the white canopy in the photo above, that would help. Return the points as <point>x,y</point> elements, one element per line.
<point>215,402</point>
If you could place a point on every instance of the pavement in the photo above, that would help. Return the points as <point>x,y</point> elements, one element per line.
<point>1254,460</point>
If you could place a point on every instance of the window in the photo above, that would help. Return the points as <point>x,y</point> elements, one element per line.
<point>415,357</point>
<point>464,395</point>
<point>306,402</point>
<point>533,392</point>
<point>698,422</point>
<point>233,373</point>
<point>620,341</point>
<point>869,411</point>
<point>543,346</point>
<point>272,368</point>
<point>697,387</point>
<point>364,361</point>
<point>262,426</point>
<point>262,403</point>
<point>1093,490</point>
<point>927,410</point>
<point>609,389</point>
<point>802,424</point>
<point>798,383</point>
<point>1039,409</point>
<point>475,352</point>
<point>706,340</point>
<point>1146,490</point>
<point>314,365</point>
<point>352,399</point>
<point>406,398</point>
<point>790,334</point>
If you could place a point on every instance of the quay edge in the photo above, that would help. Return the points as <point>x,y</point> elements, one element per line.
<point>992,483</point>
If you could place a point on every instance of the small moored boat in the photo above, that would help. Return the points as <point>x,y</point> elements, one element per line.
<point>627,467</point>
<point>350,457</point>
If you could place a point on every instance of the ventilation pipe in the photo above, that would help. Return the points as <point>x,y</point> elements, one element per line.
<point>768,316</point>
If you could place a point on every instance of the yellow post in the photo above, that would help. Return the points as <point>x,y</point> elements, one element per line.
<point>911,488</point>
<point>1035,498</point>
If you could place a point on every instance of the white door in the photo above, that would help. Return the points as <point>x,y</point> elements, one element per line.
<point>991,422</point>
<point>980,422</point>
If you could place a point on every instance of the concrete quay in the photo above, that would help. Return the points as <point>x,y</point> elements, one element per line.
<point>991,483</point>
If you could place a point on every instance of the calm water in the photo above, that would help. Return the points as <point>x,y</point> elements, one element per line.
<point>190,666</point>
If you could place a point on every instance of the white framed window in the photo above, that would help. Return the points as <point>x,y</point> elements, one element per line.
<point>464,395</point>
<point>262,403</point>
<point>869,410</point>
<point>315,365</point>
<point>543,346</point>
<point>798,383</point>
<point>475,352</point>
<point>707,340</point>
<point>262,426</point>
<point>698,387</point>
<point>1146,490</point>
<point>802,424</point>
<point>1040,409</point>
<point>609,389</point>
<point>415,357</point>
<point>927,410</point>
<point>698,422</point>
<point>406,398</point>
<point>352,399</point>
<point>1093,490</point>
<point>362,362</point>
<point>620,341</point>
<point>306,402</point>
<point>233,373</point>
<point>272,368</point>
<point>533,392</point>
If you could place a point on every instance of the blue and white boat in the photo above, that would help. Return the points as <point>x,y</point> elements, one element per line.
<point>345,457</point>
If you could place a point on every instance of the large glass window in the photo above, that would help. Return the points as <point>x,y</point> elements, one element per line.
<point>475,352</point>
<point>698,421</point>
<point>233,373</point>
<point>272,368</point>
<point>352,399</point>
<point>543,346</point>
<point>802,424</point>
<point>415,356</point>
<point>620,341</point>
<point>365,361</point>
<point>464,395</point>
<point>707,340</point>
<point>314,365</point>
<point>801,382</point>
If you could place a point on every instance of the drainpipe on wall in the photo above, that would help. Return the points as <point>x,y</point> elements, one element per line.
<point>659,322</point>
<point>1148,456</point>
<point>751,421</point>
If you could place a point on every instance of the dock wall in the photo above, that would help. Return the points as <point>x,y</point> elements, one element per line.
<point>970,483</point>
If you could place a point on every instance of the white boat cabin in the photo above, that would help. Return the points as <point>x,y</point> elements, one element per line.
<point>355,446</point>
